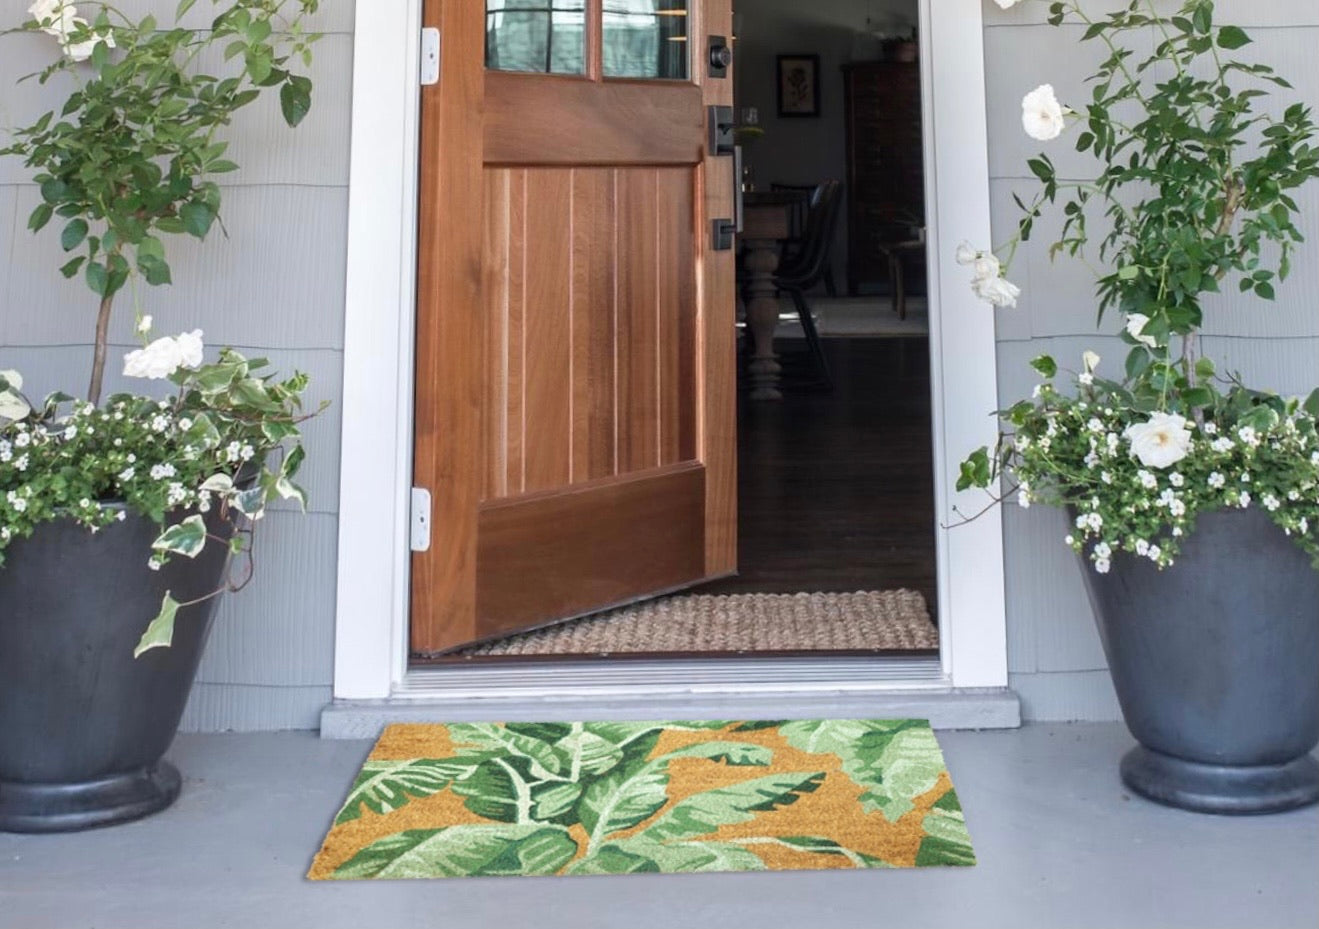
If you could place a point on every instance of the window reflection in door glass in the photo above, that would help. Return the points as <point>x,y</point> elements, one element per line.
<point>646,38</point>
<point>548,36</point>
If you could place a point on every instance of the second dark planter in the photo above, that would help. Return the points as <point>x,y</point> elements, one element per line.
<point>1216,665</point>
<point>83,724</point>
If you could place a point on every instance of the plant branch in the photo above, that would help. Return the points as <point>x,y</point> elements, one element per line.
<point>98,353</point>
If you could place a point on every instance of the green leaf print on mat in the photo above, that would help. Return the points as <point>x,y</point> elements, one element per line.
<point>596,798</point>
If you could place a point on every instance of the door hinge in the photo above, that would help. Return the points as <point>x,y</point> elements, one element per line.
<point>420,533</point>
<point>430,56</point>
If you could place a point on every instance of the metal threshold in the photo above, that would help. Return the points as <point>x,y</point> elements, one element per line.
<point>725,688</point>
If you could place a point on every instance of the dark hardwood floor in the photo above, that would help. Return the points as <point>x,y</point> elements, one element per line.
<point>835,489</point>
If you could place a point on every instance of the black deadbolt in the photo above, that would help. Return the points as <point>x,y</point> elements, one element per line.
<point>721,56</point>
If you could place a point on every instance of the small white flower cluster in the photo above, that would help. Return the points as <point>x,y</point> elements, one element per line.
<point>1137,481</point>
<point>60,19</point>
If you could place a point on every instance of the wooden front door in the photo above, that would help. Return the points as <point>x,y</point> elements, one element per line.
<point>575,404</point>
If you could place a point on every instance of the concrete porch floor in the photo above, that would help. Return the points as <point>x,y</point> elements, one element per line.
<point>1060,845</point>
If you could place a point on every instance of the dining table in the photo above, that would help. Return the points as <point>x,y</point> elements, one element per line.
<point>766,225</point>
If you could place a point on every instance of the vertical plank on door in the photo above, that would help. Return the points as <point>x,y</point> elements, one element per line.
<point>447,449</point>
<point>677,314</point>
<point>496,277</point>
<point>593,426</point>
<point>515,396</point>
<point>548,326</point>
<point>638,320</point>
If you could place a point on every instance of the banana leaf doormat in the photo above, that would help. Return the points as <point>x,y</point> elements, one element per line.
<point>484,799</point>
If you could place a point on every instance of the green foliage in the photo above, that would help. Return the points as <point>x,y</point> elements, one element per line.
<point>228,441</point>
<point>127,161</point>
<point>1245,448</point>
<point>1196,184</point>
<point>593,798</point>
<point>132,156</point>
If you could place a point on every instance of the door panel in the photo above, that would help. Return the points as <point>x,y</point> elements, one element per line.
<point>557,555</point>
<point>575,394</point>
<point>534,119</point>
<point>601,256</point>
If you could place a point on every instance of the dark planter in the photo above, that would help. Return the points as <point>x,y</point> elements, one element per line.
<point>83,724</point>
<point>1216,665</point>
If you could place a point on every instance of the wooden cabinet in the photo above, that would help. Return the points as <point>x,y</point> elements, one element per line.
<point>885,167</point>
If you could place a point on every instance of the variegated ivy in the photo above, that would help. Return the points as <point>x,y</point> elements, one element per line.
<point>1194,184</point>
<point>226,445</point>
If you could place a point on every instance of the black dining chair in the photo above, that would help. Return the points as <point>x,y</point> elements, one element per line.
<point>809,266</point>
<point>799,216</point>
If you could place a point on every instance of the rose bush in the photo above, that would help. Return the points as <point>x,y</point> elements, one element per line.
<point>127,162</point>
<point>1195,185</point>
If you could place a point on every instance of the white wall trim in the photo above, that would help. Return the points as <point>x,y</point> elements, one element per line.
<point>372,606</point>
<point>963,358</point>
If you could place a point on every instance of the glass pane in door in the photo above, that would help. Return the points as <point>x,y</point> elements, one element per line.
<point>547,36</point>
<point>646,39</point>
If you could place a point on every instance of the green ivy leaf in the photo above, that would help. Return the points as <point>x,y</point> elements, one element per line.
<point>186,538</point>
<point>1312,404</point>
<point>160,632</point>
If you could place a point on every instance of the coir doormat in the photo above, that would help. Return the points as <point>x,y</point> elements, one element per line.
<point>485,799</point>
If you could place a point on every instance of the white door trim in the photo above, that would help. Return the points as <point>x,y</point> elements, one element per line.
<point>376,466</point>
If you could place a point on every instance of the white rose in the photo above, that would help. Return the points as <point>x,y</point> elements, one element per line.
<point>55,17</point>
<point>1006,4</point>
<point>158,360</point>
<point>996,290</point>
<point>1042,114</point>
<point>81,51</point>
<point>986,265</point>
<point>144,325</point>
<point>966,253</point>
<point>1161,442</point>
<point>1135,323</point>
<point>190,348</point>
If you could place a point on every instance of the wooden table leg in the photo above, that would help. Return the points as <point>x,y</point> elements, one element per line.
<point>762,308</point>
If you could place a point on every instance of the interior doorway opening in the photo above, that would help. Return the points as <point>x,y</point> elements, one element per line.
<point>835,489</point>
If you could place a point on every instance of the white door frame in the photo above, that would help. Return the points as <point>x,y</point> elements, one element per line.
<point>371,630</point>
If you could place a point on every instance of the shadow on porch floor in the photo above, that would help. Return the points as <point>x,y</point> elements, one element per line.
<point>1059,843</point>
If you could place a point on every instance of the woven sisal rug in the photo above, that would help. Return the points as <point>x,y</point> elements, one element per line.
<point>871,620</point>
<point>490,799</point>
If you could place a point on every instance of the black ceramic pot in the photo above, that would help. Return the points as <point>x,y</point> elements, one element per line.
<point>83,724</point>
<point>1216,665</point>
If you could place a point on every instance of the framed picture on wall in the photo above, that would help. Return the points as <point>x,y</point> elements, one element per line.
<point>799,85</point>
